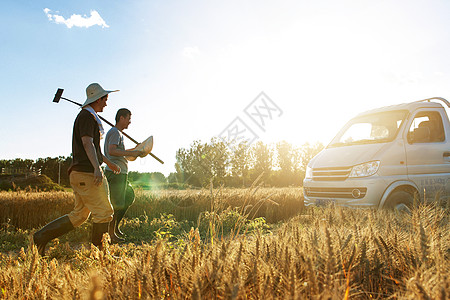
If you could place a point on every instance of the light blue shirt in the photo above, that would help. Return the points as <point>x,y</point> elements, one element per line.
<point>115,137</point>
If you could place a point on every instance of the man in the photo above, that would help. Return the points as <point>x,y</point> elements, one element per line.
<point>86,176</point>
<point>121,193</point>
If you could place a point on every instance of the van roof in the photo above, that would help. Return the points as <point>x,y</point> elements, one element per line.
<point>404,106</point>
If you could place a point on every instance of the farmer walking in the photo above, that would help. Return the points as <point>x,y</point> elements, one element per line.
<point>86,176</point>
<point>121,192</point>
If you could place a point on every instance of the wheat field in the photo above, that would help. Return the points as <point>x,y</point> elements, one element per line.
<point>231,251</point>
<point>27,210</point>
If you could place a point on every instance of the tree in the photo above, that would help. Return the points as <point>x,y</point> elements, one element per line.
<point>219,160</point>
<point>240,164</point>
<point>285,159</point>
<point>182,166</point>
<point>158,177</point>
<point>55,168</point>
<point>307,152</point>
<point>194,164</point>
<point>200,162</point>
<point>172,178</point>
<point>49,166</point>
<point>19,165</point>
<point>261,156</point>
<point>4,163</point>
<point>203,162</point>
<point>179,175</point>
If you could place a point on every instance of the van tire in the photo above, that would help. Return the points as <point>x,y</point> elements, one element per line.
<point>399,201</point>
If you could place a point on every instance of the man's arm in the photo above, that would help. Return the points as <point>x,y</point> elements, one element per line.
<point>112,149</point>
<point>114,167</point>
<point>88,145</point>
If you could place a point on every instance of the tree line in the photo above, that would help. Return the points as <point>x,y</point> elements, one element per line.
<point>53,167</point>
<point>56,168</point>
<point>279,164</point>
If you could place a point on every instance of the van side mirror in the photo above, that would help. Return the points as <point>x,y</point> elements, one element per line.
<point>419,135</point>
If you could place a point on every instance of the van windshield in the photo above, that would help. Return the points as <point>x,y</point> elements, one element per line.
<point>374,128</point>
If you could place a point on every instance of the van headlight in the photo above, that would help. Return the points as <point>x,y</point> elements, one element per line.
<point>308,173</point>
<point>365,169</point>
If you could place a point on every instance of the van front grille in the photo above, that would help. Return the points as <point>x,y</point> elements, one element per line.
<point>331,174</point>
<point>352,193</point>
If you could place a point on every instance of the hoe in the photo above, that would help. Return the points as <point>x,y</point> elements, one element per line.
<point>58,96</point>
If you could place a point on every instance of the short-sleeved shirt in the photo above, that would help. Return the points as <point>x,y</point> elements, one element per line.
<point>115,137</point>
<point>85,125</point>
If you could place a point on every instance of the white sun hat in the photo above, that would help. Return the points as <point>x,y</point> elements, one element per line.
<point>145,146</point>
<point>94,92</point>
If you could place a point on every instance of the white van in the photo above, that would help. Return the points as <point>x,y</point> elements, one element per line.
<point>383,157</point>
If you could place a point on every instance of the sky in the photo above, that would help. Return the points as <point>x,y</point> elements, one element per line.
<point>193,70</point>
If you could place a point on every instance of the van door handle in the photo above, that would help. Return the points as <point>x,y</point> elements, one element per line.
<point>446,154</point>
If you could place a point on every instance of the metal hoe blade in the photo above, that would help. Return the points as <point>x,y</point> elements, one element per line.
<point>58,95</point>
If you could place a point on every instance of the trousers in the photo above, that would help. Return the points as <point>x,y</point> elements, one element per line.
<point>89,199</point>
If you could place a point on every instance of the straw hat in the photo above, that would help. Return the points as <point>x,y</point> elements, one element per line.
<point>94,92</point>
<point>145,146</point>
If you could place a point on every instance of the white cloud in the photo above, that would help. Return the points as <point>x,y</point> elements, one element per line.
<point>191,52</point>
<point>77,20</point>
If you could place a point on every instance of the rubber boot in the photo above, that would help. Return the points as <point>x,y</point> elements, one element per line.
<point>112,226</point>
<point>120,213</point>
<point>50,231</point>
<point>98,229</point>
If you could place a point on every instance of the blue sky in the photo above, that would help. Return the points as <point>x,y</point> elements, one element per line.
<point>187,69</point>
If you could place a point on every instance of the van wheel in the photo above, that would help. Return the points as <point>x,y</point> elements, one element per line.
<point>399,201</point>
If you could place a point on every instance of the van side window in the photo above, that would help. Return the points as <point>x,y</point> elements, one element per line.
<point>427,127</point>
